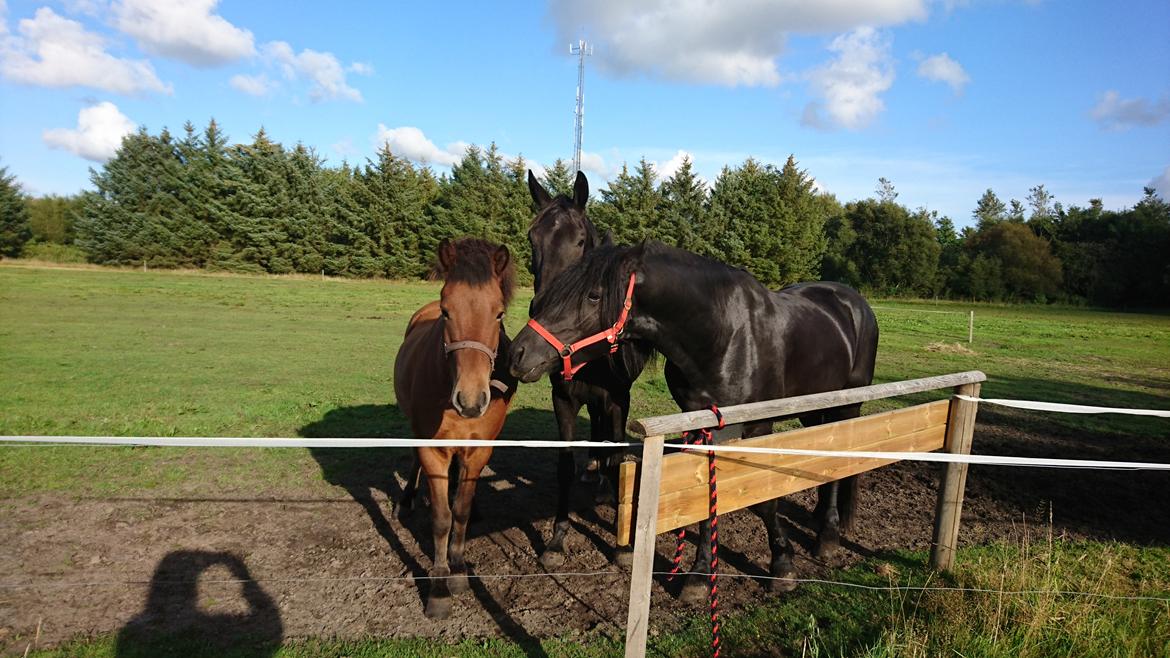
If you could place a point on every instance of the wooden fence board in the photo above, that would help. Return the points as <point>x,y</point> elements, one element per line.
<point>747,479</point>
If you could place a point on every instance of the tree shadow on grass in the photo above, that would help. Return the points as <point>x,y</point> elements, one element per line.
<point>172,622</point>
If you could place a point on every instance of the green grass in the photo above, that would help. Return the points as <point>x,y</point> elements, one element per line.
<point>123,352</point>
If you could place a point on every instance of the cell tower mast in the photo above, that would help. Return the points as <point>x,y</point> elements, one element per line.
<point>580,49</point>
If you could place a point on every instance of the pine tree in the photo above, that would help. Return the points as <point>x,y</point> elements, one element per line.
<point>989,210</point>
<point>14,226</point>
<point>630,207</point>
<point>558,179</point>
<point>684,207</point>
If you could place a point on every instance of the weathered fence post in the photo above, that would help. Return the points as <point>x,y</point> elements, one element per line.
<point>960,430</point>
<point>642,569</point>
<point>971,328</point>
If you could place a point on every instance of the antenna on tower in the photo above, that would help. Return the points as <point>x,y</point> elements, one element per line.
<point>581,49</point>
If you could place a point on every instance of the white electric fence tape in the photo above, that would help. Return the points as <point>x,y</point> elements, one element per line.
<point>1066,408</point>
<point>986,460</point>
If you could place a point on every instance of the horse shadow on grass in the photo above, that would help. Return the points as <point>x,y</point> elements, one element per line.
<point>173,623</point>
<point>518,492</point>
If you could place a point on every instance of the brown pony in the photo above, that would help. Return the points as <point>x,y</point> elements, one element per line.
<point>447,384</point>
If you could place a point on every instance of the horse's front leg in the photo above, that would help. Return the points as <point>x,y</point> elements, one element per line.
<point>435,463</point>
<point>781,568</point>
<point>471,464</point>
<point>697,582</point>
<point>566,410</point>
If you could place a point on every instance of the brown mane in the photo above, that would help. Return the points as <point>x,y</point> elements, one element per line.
<point>474,265</point>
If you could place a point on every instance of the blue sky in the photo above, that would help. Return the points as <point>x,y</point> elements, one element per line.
<point>944,98</point>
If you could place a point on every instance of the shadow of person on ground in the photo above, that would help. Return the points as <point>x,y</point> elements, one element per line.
<point>174,620</point>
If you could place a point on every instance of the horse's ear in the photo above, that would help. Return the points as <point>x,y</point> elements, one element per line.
<point>500,259</point>
<point>446,254</point>
<point>607,239</point>
<point>581,190</point>
<point>539,194</point>
<point>634,260</point>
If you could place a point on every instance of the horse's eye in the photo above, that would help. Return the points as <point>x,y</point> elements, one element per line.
<point>594,296</point>
<point>444,313</point>
<point>581,242</point>
<point>500,315</point>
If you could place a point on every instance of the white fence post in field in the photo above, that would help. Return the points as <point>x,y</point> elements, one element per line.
<point>971,328</point>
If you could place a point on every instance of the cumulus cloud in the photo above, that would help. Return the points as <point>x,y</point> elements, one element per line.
<point>322,70</point>
<point>941,68</point>
<point>99,132</point>
<point>667,169</point>
<point>1162,184</point>
<point>52,51</point>
<point>734,42</point>
<point>188,31</point>
<point>410,142</point>
<point>253,85</point>
<point>850,86</point>
<point>361,68</point>
<point>1115,113</point>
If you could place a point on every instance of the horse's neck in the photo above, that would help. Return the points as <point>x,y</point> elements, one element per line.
<point>433,356</point>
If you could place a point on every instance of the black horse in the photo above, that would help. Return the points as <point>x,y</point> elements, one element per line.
<point>727,340</point>
<point>560,235</point>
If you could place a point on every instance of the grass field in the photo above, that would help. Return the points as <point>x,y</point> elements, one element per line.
<point>114,352</point>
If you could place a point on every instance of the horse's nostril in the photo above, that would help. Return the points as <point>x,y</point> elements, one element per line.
<point>483,400</point>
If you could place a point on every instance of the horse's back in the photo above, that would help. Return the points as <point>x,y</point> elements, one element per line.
<point>828,308</point>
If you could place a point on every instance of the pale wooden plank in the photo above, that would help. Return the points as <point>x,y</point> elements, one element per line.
<point>677,509</point>
<point>682,469</point>
<point>642,568</point>
<point>753,411</point>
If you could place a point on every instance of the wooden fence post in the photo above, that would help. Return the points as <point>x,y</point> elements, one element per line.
<point>960,430</point>
<point>642,569</point>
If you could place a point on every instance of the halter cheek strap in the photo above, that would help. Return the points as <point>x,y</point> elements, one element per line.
<point>609,335</point>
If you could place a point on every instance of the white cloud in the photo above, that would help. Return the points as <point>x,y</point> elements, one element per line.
<point>323,70</point>
<point>361,68</point>
<point>410,142</point>
<point>53,51</point>
<point>188,31</point>
<point>1116,113</point>
<point>733,42</point>
<point>253,85</point>
<point>941,68</point>
<point>99,132</point>
<point>850,86</point>
<point>667,169</point>
<point>1162,184</point>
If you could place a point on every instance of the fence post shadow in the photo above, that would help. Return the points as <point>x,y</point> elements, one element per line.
<point>172,620</point>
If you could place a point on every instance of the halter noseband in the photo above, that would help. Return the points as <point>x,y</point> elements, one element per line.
<point>610,335</point>
<point>479,347</point>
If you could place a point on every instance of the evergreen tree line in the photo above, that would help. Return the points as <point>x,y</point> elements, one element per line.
<point>198,201</point>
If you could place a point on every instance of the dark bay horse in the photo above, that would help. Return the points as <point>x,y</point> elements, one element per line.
<point>560,234</point>
<point>447,384</point>
<point>728,340</point>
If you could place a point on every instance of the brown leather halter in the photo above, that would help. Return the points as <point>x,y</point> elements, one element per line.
<point>448,348</point>
<point>610,335</point>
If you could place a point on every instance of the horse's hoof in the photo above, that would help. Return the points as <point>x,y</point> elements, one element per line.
<point>457,583</point>
<point>438,608</point>
<point>552,559</point>
<point>784,583</point>
<point>695,590</point>
<point>623,558</point>
<point>827,548</point>
<point>589,475</point>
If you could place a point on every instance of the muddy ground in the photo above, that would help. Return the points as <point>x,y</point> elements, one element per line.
<point>342,566</point>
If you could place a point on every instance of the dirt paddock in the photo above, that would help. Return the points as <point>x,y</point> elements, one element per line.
<point>343,566</point>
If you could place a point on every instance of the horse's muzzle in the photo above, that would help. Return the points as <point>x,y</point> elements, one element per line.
<point>529,357</point>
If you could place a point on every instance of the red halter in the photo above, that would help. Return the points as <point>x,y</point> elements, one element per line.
<point>610,335</point>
